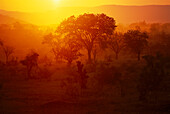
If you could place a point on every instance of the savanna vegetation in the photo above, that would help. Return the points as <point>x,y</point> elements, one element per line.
<point>86,64</point>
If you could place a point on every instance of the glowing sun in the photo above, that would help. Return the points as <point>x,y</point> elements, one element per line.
<point>56,1</point>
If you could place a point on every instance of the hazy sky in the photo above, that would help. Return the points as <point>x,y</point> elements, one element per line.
<point>44,5</point>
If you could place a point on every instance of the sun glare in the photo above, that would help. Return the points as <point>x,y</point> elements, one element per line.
<point>56,1</point>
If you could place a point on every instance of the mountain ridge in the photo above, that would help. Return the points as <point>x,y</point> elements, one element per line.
<point>9,20</point>
<point>122,13</point>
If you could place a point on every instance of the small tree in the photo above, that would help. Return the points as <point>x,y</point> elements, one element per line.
<point>30,61</point>
<point>136,41</point>
<point>83,75</point>
<point>8,50</point>
<point>116,43</point>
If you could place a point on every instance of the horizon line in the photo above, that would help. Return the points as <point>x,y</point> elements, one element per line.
<point>83,7</point>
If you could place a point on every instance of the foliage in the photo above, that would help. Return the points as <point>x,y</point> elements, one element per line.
<point>83,75</point>
<point>152,74</point>
<point>66,48</point>
<point>116,43</point>
<point>108,75</point>
<point>70,50</point>
<point>136,41</point>
<point>30,61</point>
<point>54,41</point>
<point>87,29</point>
<point>7,50</point>
<point>46,60</point>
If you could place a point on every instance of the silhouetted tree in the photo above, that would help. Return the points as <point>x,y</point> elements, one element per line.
<point>54,41</point>
<point>116,43</point>
<point>30,61</point>
<point>70,50</point>
<point>87,29</point>
<point>152,74</point>
<point>83,75</point>
<point>8,50</point>
<point>66,47</point>
<point>136,41</point>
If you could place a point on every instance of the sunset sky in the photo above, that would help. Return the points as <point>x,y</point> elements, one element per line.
<point>45,5</point>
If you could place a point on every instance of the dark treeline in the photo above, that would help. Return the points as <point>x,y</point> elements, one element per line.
<point>91,55</point>
<point>25,37</point>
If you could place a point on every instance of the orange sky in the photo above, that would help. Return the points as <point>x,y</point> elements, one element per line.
<point>45,5</point>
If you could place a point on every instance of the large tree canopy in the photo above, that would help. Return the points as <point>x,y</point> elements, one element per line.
<point>87,29</point>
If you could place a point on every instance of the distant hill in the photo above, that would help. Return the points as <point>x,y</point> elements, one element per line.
<point>129,14</point>
<point>122,14</point>
<point>8,20</point>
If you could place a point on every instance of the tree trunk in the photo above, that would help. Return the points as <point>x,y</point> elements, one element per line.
<point>138,56</point>
<point>94,56</point>
<point>7,59</point>
<point>117,56</point>
<point>89,57</point>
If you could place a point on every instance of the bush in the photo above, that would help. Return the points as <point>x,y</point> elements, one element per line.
<point>108,74</point>
<point>152,74</point>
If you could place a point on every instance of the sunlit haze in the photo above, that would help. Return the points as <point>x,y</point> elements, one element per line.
<point>84,56</point>
<point>45,5</point>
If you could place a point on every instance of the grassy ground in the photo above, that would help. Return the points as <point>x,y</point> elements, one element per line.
<point>19,95</point>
